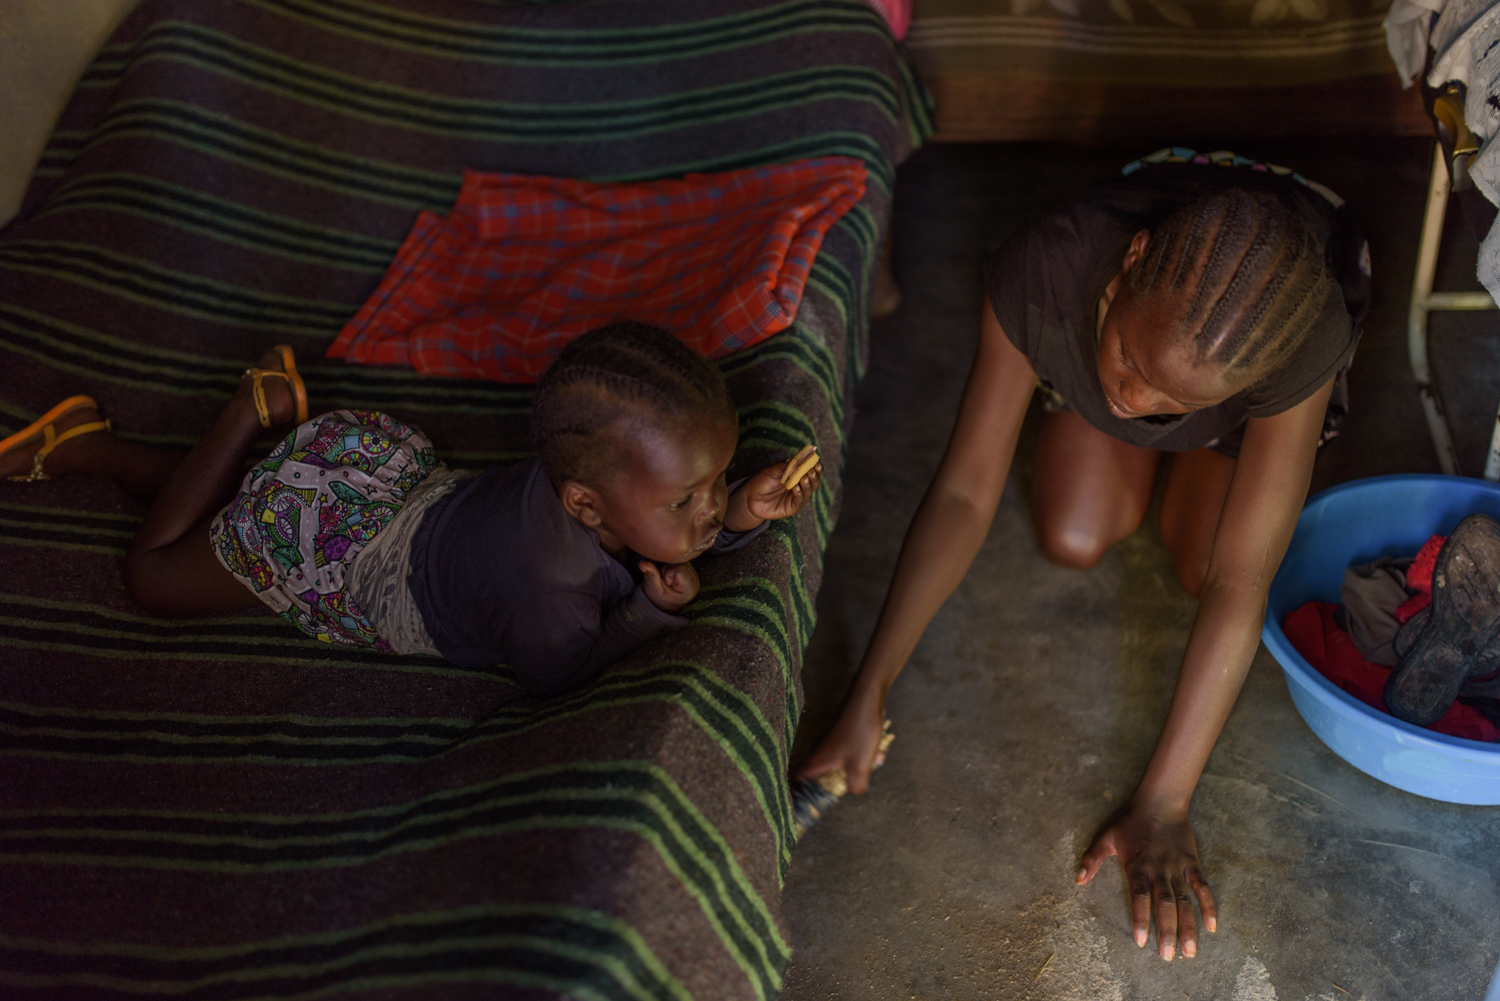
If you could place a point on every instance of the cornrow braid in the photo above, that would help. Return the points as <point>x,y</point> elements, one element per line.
<point>1252,276</point>
<point>624,373</point>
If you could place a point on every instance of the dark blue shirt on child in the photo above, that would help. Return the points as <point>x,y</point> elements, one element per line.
<point>501,573</point>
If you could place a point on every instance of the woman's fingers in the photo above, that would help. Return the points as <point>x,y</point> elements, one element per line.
<point>1187,921</point>
<point>1102,848</point>
<point>1166,917</point>
<point>1140,906</point>
<point>1205,899</point>
<point>858,775</point>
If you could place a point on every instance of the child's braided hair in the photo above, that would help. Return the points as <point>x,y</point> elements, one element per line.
<point>1251,277</point>
<point>626,373</point>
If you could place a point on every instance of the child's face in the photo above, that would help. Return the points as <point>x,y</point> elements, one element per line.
<point>667,500</point>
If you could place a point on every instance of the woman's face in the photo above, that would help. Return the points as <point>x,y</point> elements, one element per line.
<point>1144,369</point>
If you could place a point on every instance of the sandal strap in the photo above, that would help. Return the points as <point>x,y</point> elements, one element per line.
<point>50,440</point>
<point>55,439</point>
<point>258,392</point>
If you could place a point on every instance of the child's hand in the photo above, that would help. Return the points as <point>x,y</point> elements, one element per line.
<point>670,587</point>
<point>763,498</point>
<point>853,744</point>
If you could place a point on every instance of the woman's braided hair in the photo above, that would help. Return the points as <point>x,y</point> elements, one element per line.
<point>620,378</point>
<point>1251,277</point>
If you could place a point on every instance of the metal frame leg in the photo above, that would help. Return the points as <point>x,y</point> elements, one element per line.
<point>1492,461</point>
<point>1416,320</point>
<point>1424,301</point>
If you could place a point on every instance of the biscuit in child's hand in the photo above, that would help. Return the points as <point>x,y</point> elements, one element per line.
<point>799,465</point>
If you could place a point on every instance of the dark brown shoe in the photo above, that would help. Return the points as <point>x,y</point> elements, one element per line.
<point>1460,625</point>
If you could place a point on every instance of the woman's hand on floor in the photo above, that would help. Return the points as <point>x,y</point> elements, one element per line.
<point>1159,854</point>
<point>853,744</point>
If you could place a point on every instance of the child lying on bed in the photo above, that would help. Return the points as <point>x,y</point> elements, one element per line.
<point>353,530</point>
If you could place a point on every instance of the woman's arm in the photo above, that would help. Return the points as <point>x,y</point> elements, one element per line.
<point>1152,836</point>
<point>949,527</point>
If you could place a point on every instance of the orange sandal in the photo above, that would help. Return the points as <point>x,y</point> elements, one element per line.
<point>293,381</point>
<point>45,426</point>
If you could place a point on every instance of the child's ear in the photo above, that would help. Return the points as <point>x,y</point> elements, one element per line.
<point>581,502</point>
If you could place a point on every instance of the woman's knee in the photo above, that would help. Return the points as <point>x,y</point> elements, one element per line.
<point>1191,565</point>
<point>1077,547</point>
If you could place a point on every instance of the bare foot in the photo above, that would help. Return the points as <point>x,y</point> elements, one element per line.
<point>72,456</point>
<point>279,399</point>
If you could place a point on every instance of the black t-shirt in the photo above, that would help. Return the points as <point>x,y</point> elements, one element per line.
<point>501,573</point>
<point>1045,282</point>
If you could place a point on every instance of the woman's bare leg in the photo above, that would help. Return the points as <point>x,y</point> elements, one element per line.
<point>1197,484</point>
<point>1089,490</point>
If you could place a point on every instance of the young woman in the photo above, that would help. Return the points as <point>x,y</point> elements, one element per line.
<point>1206,307</point>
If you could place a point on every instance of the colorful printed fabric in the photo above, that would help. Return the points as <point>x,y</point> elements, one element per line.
<point>521,265</point>
<point>302,515</point>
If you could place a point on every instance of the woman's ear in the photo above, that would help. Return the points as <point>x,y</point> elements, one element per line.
<point>1136,251</point>
<point>581,502</point>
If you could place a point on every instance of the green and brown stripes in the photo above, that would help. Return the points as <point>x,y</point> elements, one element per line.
<point>89,629</point>
<point>94,355</point>
<point>189,210</point>
<point>442,38</point>
<point>727,716</point>
<point>571,950</point>
<point>447,115</point>
<point>237,174</point>
<point>632,796</point>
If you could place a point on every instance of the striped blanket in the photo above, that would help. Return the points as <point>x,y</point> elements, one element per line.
<point>224,809</point>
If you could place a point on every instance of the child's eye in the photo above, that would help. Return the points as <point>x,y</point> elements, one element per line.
<point>679,505</point>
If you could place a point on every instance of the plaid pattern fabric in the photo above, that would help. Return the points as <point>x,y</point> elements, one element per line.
<point>522,265</point>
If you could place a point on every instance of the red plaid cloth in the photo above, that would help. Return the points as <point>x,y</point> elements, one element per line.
<point>522,265</point>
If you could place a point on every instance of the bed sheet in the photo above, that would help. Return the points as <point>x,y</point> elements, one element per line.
<point>224,809</point>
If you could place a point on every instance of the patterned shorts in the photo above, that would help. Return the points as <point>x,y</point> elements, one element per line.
<point>306,511</point>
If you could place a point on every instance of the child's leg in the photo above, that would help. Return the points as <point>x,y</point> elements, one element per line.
<point>140,470</point>
<point>1197,485</point>
<point>170,568</point>
<point>1088,491</point>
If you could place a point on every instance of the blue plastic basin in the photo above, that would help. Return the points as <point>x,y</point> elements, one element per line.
<point>1355,523</point>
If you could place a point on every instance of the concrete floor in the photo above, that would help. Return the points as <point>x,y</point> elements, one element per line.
<point>1031,706</point>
